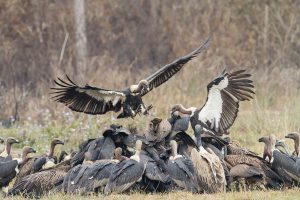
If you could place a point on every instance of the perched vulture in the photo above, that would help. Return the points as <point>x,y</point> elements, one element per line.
<point>222,104</point>
<point>93,100</point>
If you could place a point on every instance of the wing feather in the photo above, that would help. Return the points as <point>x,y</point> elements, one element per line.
<point>88,99</point>
<point>224,94</point>
<point>169,70</point>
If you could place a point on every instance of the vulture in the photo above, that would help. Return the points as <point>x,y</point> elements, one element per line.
<point>25,166</point>
<point>179,123</point>
<point>269,146</point>
<point>251,174</point>
<point>282,147</point>
<point>38,184</point>
<point>222,104</point>
<point>155,177</point>
<point>6,154</point>
<point>181,170</point>
<point>79,156</point>
<point>48,160</point>
<point>93,100</point>
<point>295,138</point>
<point>90,176</point>
<point>287,167</point>
<point>234,148</point>
<point>184,142</point>
<point>208,167</point>
<point>9,169</point>
<point>99,148</point>
<point>157,130</point>
<point>243,156</point>
<point>126,173</point>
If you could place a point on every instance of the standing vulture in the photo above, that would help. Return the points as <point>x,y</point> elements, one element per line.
<point>208,167</point>
<point>181,170</point>
<point>93,100</point>
<point>282,147</point>
<point>222,103</point>
<point>287,167</point>
<point>295,137</point>
<point>49,160</point>
<point>5,155</point>
<point>126,173</point>
<point>9,169</point>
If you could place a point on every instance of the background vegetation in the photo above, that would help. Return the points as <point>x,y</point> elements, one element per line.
<point>128,40</point>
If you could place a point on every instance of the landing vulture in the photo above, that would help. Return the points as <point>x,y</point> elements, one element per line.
<point>222,103</point>
<point>93,100</point>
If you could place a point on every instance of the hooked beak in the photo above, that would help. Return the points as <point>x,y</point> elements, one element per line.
<point>288,136</point>
<point>16,141</point>
<point>262,139</point>
<point>61,142</point>
<point>33,150</point>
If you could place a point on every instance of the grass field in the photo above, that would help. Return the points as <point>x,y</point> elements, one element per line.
<point>264,115</point>
<point>257,195</point>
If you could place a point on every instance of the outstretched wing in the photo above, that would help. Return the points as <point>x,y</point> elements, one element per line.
<point>222,103</point>
<point>90,100</point>
<point>166,72</point>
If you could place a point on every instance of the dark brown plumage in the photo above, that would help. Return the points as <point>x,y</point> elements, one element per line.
<point>40,183</point>
<point>272,178</point>
<point>25,164</point>
<point>93,100</point>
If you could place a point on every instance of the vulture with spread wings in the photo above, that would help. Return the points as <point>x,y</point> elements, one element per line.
<point>93,100</point>
<point>222,104</point>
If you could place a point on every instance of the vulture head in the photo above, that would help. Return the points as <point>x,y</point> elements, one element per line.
<point>57,141</point>
<point>12,140</point>
<point>295,137</point>
<point>154,124</point>
<point>27,150</point>
<point>269,142</point>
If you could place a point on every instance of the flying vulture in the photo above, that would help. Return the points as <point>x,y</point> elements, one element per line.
<point>93,100</point>
<point>222,104</point>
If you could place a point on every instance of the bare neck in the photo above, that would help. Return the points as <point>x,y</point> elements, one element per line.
<point>52,146</point>
<point>268,151</point>
<point>24,155</point>
<point>8,148</point>
<point>187,111</point>
<point>174,150</point>
<point>296,145</point>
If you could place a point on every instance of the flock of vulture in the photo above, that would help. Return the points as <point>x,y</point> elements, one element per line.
<point>164,157</point>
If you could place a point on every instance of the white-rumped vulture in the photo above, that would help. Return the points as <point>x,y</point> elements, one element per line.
<point>126,173</point>
<point>222,104</point>
<point>181,170</point>
<point>93,100</point>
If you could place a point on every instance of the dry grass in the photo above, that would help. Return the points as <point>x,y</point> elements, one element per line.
<point>257,195</point>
